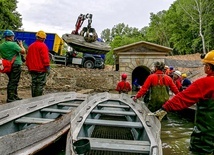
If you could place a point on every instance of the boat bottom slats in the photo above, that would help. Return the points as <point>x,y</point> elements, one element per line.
<point>114,123</point>
<point>131,146</point>
<point>113,106</point>
<point>115,112</point>
<point>69,104</point>
<point>62,111</point>
<point>33,120</point>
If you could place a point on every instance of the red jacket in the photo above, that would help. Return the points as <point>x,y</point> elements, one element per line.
<point>201,89</point>
<point>123,86</point>
<point>37,58</point>
<point>152,80</point>
<point>178,84</point>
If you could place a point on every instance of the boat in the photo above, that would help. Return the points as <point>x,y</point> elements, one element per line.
<point>28,126</point>
<point>78,43</point>
<point>113,124</point>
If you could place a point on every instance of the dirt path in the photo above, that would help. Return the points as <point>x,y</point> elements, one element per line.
<point>23,93</point>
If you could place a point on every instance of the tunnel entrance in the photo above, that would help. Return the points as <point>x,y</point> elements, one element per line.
<point>140,73</point>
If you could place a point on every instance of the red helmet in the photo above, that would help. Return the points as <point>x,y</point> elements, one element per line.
<point>124,76</point>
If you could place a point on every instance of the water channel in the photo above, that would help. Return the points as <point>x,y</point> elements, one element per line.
<point>175,136</point>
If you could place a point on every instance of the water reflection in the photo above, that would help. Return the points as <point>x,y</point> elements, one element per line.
<point>175,135</point>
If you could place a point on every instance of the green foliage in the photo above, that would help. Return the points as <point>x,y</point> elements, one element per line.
<point>9,17</point>
<point>120,35</point>
<point>179,27</point>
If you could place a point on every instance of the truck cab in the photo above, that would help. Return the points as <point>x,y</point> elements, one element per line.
<point>87,60</point>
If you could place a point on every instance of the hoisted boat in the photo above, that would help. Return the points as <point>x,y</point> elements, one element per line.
<point>78,43</point>
<point>113,124</point>
<point>29,125</point>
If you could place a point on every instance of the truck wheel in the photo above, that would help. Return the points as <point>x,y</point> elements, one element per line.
<point>89,64</point>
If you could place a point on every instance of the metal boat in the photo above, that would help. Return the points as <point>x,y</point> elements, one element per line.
<point>78,43</point>
<point>113,124</point>
<point>27,126</point>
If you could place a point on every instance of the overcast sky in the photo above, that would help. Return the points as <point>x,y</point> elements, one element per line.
<point>59,16</point>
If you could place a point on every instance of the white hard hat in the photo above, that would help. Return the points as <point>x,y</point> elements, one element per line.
<point>178,73</point>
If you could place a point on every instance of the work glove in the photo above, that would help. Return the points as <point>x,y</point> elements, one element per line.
<point>159,114</point>
<point>134,99</point>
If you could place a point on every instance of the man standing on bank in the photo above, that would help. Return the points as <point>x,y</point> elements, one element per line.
<point>200,92</point>
<point>38,63</point>
<point>11,50</point>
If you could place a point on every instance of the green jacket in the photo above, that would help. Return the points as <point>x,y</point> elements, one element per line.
<point>9,49</point>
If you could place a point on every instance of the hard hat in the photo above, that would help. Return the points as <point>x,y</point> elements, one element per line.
<point>166,67</point>
<point>8,33</point>
<point>171,67</point>
<point>178,73</point>
<point>41,34</point>
<point>184,75</point>
<point>159,65</point>
<point>124,76</point>
<point>209,58</point>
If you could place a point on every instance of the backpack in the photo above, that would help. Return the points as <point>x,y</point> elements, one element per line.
<point>6,65</point>
<point>159,94</point>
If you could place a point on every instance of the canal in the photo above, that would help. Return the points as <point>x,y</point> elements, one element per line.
<point>175,135</point>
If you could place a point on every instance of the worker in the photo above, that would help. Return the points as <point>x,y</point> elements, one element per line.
<point>38,63</point>
<point>200,92</point>
<point>177,79</point>
<point>166,70</point>
<point>136,85</point>
<point>11,50</point>
<point>123,86</point>
<point>171,70</point>
<point>159,83</point>
<point>185,82</point>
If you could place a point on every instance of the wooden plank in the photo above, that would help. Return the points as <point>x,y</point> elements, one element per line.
<point>113,106</point>
<point>114,123</point>
<point>69,104</point>
<point>33,120</point>
<point>63,111</point>
<point>115,112</point>
<point>131,146</point>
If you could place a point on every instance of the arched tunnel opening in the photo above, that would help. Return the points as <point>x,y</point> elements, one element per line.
<point>140,73</point>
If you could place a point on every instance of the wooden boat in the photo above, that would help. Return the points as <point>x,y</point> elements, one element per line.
<point>113,124</point>
<point>78,43</point>
<point>29,125</point>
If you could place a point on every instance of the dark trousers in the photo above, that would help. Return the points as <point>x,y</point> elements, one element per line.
<point>12,86</point>
<point>38,83</point>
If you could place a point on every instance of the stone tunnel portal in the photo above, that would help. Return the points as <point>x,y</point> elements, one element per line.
<point>140,73</point>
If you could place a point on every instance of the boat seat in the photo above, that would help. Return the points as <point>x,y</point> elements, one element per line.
<point>33,120</point>
<point>116,112</point>
<point>132,146</point>
<point>113,106</point>
<point>69,104</point>
<point>52,110</point>
<point>113,123</point>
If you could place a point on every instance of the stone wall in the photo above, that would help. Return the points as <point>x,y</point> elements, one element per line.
<point>69,78</point>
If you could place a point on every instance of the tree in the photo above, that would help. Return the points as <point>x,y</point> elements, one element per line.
<point>196,10</point>
<point>9,17</point>
<point>120,35</point>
